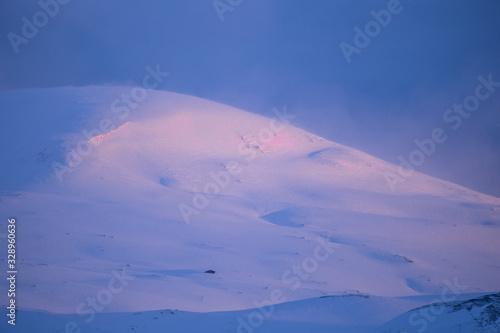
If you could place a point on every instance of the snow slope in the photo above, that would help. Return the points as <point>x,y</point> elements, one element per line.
<point>480,314</point>
<point>130,203</point>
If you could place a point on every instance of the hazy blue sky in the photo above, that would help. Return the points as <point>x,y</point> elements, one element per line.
<point>267,54</point>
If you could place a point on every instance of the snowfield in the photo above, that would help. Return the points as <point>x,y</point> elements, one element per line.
<point>172,213</point>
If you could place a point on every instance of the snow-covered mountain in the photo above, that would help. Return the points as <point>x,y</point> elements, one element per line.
<point>130,202</point>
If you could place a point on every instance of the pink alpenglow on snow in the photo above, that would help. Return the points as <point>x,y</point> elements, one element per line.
<point>95,140</point>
